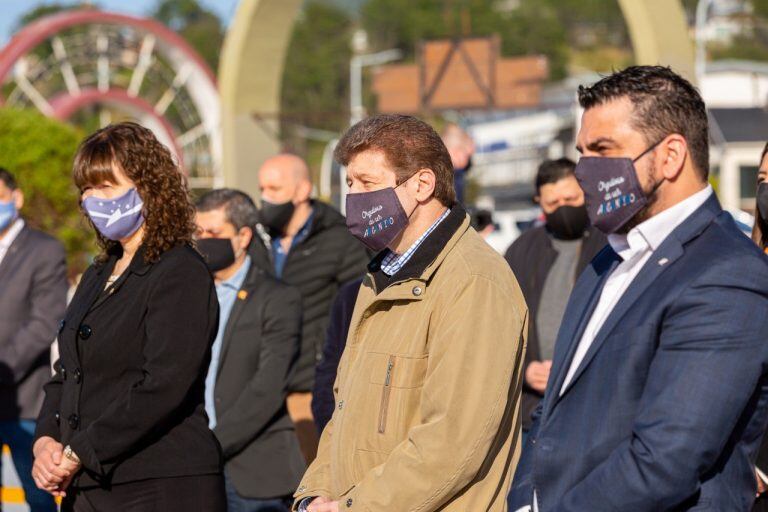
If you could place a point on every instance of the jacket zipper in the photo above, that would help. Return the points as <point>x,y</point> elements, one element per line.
<point>385,396</point>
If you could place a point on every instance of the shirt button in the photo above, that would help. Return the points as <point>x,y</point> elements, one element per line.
<point>341,405</point>
<point>417,290</point>
<point>74,421</point>
<point>349,503</point>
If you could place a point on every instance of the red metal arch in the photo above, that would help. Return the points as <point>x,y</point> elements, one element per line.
<point>64,105</point>
<point>40,30</point>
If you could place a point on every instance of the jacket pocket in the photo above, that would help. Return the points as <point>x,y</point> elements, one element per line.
<point>386,392</point>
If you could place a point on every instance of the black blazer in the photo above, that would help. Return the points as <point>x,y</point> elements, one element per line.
<point>127,393</point>
<point>531,257</point>
<point>259,349</point>
<point>33,296</point>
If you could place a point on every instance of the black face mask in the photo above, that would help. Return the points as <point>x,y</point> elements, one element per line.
<point>275,216</point>
<point>217,252</point>
<point>762,201</point>
<point>568,222</point>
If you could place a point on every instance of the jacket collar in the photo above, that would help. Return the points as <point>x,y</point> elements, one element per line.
<point>139,265</point>
<point>428,256</point>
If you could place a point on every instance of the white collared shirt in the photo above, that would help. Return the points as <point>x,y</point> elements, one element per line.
<point>635,249</point>
<point>10,236</point>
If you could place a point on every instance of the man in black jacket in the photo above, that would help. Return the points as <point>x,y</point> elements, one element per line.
<point>251,360</point>
<point>546,261</point>
<point>33,294</point>
<point>306,244</point>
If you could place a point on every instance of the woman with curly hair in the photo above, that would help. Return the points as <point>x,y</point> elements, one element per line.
<point>123,423</point>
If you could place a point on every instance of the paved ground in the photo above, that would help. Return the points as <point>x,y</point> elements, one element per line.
<point>12,493</point>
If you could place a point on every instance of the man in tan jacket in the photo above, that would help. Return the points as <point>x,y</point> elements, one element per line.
<point>428,391</point>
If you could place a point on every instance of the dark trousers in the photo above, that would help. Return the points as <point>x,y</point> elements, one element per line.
<point>19,435</point>
<point>237,503</point>
<point>182,494</point>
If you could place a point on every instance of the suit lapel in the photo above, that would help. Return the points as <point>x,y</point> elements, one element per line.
<point>670,250</point>
<point>584,299</point>
<point>245,291</point>
<point>14,253</point>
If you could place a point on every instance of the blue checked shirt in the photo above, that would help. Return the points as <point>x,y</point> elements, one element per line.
<point>393,262</point>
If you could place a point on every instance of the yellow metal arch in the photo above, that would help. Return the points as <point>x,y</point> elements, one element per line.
<point>660,34</point>
<point>250,78</point>
<point>251,70</point>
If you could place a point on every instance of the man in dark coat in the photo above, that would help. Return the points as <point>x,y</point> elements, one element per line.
<point>251,360</point>
<point>323,401</point>
<point>33,296</point>
<point>304,243</point>
<point>546,261</point>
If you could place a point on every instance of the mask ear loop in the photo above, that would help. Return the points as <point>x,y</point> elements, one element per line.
<point>408,216</point>
<point>657,185</point>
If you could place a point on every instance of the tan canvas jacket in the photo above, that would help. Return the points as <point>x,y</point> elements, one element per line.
<point>428,390</point>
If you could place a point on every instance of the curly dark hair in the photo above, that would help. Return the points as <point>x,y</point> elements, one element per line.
<point>168,211</point>
<point>664,103</point>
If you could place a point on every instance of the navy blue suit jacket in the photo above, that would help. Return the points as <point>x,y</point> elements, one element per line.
<point>667,409</point>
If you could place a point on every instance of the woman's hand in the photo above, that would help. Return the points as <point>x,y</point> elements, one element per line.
<point>50,471</point>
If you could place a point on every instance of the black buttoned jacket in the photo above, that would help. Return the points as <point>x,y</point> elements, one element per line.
<point>128,389</point>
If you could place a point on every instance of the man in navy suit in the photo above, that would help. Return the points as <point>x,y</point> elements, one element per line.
<point>658,393</point>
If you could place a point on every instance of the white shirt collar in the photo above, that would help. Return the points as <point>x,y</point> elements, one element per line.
<point>12,233</point>
<point>651,233</point>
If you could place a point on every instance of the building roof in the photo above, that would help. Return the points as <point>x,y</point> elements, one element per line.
<point>738,125</point>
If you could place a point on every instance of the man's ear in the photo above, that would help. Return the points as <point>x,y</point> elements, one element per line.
<point>303,191</point>
<point>425,181</point>
<point>246,235</point>
<point>672,155</point>
<point>18,198</point>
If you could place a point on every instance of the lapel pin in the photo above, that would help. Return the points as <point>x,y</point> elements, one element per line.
<point>242,294</point>
<point>663,261</point>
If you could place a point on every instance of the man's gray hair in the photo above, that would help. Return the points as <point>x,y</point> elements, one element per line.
<point>238,206</point>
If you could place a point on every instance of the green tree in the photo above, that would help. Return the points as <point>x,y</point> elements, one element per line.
<point>316,75</point>
<point>39,152</point>
<point>531,28</point>
<point>201,27</point>
<point>48,9</point>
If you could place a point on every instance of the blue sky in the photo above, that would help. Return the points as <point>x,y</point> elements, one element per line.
<point>11,10</point>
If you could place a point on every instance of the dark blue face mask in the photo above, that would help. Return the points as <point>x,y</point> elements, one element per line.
<point>612,192</point>
<point>376,218</point>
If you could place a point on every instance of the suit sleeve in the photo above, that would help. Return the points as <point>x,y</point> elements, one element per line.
<point>521,493</point>
<point>706,369</point>
<point>47,302</point>
<point>264,394</point>
<point>460,417</point>
<point>317,479</point>
<point>180,324</point>
<point>47,424</point>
